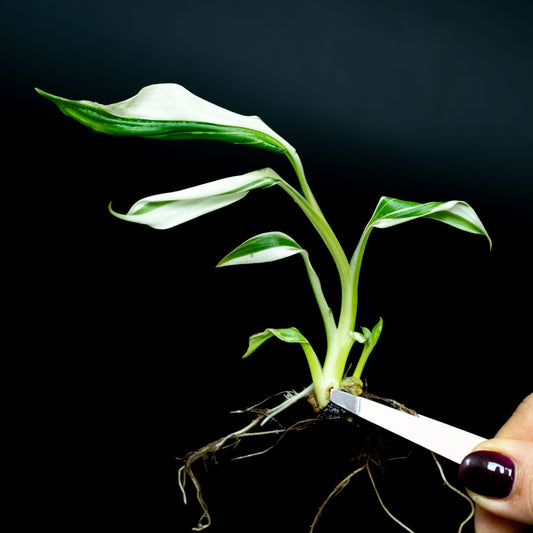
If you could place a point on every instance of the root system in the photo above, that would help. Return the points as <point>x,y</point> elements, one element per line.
<point>262,416</point>
<point>366,458</point>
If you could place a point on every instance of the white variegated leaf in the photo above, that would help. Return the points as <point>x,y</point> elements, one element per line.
<point>262,248</point>
<point>391,211</point>
<point>169,111</point>
<point>163,211</point>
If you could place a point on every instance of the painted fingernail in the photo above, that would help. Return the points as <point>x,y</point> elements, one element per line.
<point>488,473</point>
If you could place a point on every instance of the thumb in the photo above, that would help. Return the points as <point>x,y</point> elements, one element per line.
<point>498,475</point>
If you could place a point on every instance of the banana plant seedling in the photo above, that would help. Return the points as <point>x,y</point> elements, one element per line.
<point>169,111</point>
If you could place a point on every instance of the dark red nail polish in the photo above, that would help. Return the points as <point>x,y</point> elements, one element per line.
<point>488,473</point>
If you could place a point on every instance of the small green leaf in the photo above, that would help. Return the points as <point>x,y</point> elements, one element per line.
<point>163,211</point>
<point>262,248</point>
<point>372,338</point>
<point>360,337</point>
<point>169,111</point>
<point>376,333</point>
<point>291,335</point>
<point>390,212</point>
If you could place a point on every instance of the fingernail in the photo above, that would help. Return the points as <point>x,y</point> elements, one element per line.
<point>488,473</point>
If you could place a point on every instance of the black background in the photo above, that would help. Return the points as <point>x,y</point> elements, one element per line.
<point>130,340</point>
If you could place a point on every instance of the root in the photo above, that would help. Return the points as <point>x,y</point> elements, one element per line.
<point>399,522</point>
<point>186,470</point>
<point>301,424</point>
<point>232,439</point>
<point>264,415</point>
<point>344,483</point>
<point>337,490</point>
<point>463,495</point>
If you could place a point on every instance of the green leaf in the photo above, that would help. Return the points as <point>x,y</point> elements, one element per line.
<point>169,111</point>
<point>163,211</point>
<point>290,335</point>
<point>376,333</point>
<point>262,248</point>
<point>293,336</point>
<point>372,338</point>
<point>360,337</point>
<point>390,212</point>
<point>273,246</point>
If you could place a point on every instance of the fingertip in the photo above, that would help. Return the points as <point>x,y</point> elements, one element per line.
<point>486,522</point>
<point>499,478</point>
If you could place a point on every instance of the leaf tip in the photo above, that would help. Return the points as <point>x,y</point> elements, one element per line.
<point>221,263</point>
<point>249,352</point>
<point>110,209</point>
<point>44,94</point>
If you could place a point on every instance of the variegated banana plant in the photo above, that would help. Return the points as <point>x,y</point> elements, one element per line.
<point>169,111</point>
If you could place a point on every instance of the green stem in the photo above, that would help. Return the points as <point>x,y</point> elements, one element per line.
<point>362,362</point>
<point>324,230</point>
<point>325,310</point>
<point>348,319</point>
<point>316,374</point>
<point>340,340</point>
<point>338,354</point>
<point>296,163</point>
<point>335,361</point>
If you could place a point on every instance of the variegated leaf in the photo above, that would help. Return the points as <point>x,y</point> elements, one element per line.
<point>262,248</point>
<point>390,212</point>
<point>163,211</point>
<point>169,111</point>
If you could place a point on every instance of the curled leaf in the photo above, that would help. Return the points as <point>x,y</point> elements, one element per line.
<point>169,111</point>
<point>163,211</point>
<point>360,337</point>
<point>293,336</point>
<point>390,212</point>
<point>290,335</point>
<point>372,338</point>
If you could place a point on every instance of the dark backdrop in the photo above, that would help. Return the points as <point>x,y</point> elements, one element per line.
<point>131,340</point>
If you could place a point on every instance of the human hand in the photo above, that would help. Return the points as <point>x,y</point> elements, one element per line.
<point>498,475</point>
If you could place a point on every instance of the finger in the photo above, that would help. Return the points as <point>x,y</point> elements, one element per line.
<point>486,522</point>
<point>498,478</point>
<point>520,425</point>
